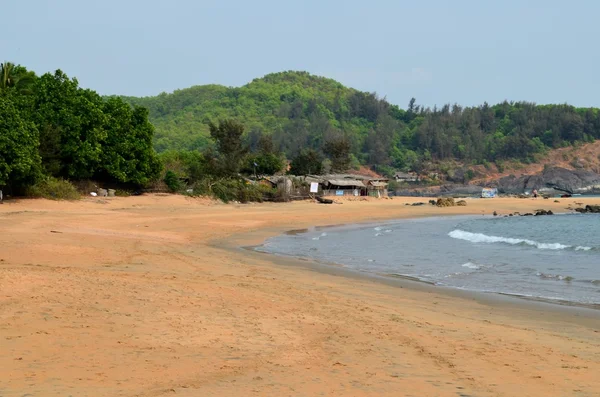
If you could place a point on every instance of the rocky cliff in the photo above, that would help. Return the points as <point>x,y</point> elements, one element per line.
<point>552,180</point>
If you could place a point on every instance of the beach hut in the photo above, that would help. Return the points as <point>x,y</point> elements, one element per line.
<point>343,186</point>
<point>378,187</point>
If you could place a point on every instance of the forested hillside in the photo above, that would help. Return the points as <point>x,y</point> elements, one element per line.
<point>299,110</point>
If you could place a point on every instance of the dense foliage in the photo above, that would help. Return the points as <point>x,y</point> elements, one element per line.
<point>300,111</point>
<point>52,128</point>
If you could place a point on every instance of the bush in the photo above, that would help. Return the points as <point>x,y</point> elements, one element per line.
<point>228,190</point>
<point>172,181</point>
<point>54,189</point>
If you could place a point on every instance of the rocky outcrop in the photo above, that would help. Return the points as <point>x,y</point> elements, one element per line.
<point>589,209</point>
<point>553,180</point>
<point>445,202</point>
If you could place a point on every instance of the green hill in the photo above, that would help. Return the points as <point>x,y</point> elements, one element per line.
<point>299,110</point>
<point>270,104</point>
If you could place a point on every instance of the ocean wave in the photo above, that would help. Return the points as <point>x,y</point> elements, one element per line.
<point>484,238</point>
<point>554,277</point>
<point>471,265</point>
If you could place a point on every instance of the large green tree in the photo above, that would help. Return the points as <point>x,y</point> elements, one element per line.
<point>127,153</point>
<point>19,158</point>
<point>72,120</point>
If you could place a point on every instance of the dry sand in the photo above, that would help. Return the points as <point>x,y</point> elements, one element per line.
<point>148,296</point>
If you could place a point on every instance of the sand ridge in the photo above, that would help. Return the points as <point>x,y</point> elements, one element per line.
<point>139,297</point>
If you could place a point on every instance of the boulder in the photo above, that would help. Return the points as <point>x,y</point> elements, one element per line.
<point>445,202</point>
<point>461,203</point>
<point>543,212</point>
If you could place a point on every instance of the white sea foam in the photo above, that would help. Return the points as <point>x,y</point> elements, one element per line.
<point>484,238</point>
<point>323,234</point>
<point>471,265</point>
<point>388,230</point>
<point>316,238</point>
<point>580,248</point>
<point>378,234</point>
<point>378,228</point>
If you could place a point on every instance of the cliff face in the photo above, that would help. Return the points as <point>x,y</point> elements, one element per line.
<point>551,180</point>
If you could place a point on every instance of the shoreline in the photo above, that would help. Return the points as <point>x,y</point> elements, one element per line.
<point>490,298</point>
<point>155,295</point>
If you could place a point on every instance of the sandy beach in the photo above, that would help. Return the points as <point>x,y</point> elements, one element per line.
<point>153,296</point>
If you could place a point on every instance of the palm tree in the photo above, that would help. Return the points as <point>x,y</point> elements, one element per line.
<point>7,75</point>
<point>12,76</point>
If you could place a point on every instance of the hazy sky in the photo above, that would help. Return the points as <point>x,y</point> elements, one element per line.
<point>464,51</point>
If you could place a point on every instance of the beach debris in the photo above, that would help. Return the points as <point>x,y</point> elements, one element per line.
<point>445,202</point>
<point>461,203</point>
<point>323,200</point>
<point>93,194</point>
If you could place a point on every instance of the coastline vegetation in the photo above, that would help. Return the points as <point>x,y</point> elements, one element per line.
<point>210,140</point>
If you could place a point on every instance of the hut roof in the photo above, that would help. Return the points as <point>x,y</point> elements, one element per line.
<point>346,182</point>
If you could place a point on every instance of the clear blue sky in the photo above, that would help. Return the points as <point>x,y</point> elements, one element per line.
<point>460,51</point>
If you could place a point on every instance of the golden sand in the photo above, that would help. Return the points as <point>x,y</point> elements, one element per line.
<point>149,296</point>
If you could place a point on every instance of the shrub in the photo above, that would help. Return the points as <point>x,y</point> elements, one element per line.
<point>231,189</point>
<point>172,181</point>
<point>54,189</point>
<point>122,193</point>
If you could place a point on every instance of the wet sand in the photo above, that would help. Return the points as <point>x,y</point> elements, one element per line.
<point>152,296</point>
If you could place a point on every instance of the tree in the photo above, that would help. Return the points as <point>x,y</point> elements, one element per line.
<point>8,77</point>
<point>76,116</point>
<point>231,150</point>
<point>337,148</point>
<point>17,77</point>
<point>263,164</point>
<point>307,162</point>
<point>127,153</point>
<point>19,158</point>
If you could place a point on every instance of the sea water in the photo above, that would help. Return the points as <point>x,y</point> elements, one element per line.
<point>549,257</point>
